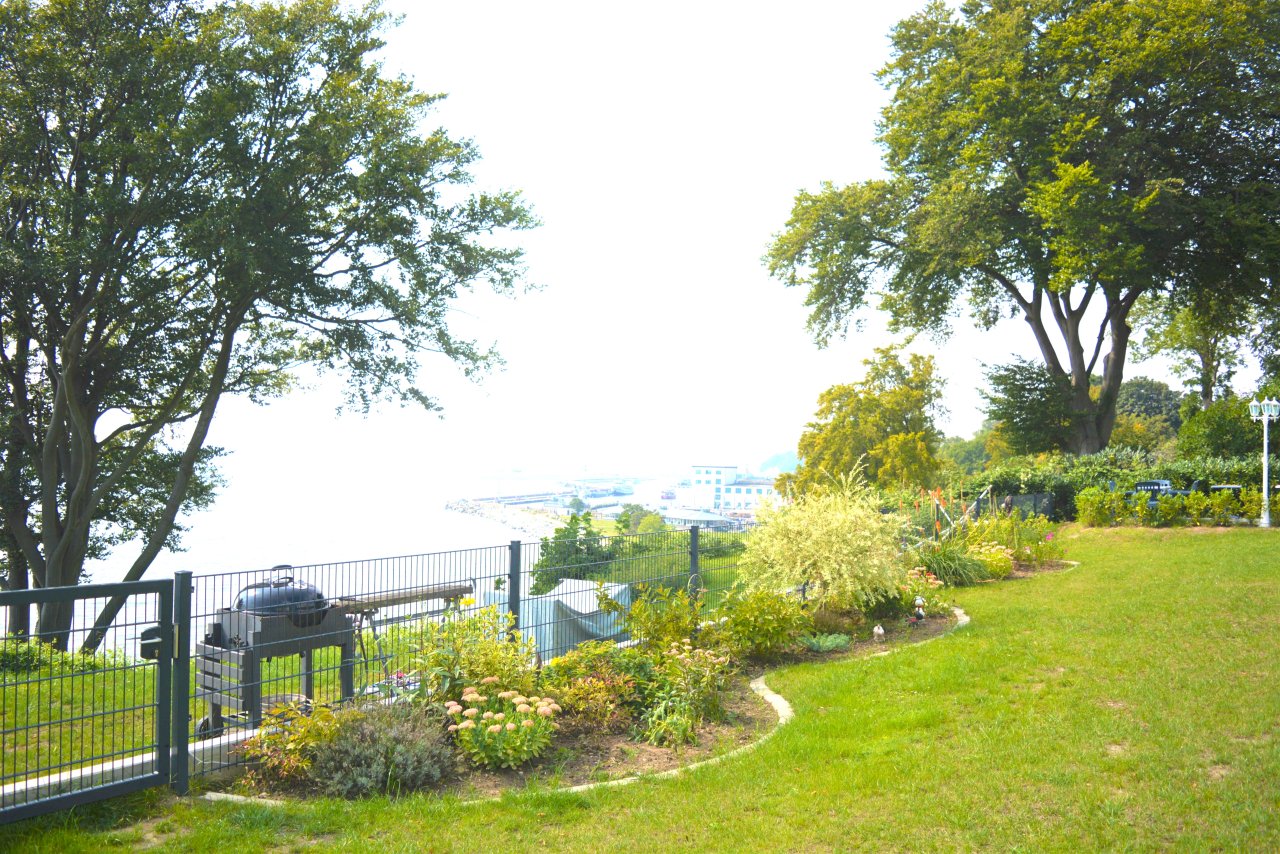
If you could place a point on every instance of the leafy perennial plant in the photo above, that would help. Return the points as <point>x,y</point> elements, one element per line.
<point>501,728</point>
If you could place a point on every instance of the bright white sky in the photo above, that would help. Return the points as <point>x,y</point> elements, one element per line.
<point>661,144</point>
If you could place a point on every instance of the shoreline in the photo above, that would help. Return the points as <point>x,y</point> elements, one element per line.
<point>528,521</point>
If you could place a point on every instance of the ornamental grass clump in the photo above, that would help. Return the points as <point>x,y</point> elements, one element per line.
<point>833,541</point>
<point>501,729</point>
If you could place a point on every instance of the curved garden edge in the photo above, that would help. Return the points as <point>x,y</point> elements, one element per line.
<point>779,703</point>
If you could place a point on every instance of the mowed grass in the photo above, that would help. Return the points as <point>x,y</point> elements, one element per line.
<point>1132,702</point>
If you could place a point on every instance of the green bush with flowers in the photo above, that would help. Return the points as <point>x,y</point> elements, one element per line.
<point>996,557</point>
<point>501,728</point>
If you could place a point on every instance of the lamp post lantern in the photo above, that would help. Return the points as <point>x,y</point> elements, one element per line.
<point>1265,411</point>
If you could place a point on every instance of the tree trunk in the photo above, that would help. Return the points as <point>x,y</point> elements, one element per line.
<point>19,619</point>
<point>54,624</point>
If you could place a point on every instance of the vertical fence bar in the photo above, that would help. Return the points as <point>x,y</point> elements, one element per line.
<point>513,589</point>
<point>695,572</point>
<point>181,716</point>
<point>164,685</point>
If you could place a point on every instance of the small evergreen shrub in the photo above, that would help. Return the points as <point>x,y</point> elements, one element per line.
<point>685,690</point>
<point>468,646</point>
<point>826,643</point>
<point>1093,510</point>
<point>383,748</point>
<point>1170,510</point>
<point>287,744</point>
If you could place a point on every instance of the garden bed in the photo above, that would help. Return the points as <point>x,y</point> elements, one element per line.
<point>579,755</point>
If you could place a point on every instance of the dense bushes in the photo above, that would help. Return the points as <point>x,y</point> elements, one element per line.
<point>1102,508</point>
<point>1064,476</point>
<point>835,542</point>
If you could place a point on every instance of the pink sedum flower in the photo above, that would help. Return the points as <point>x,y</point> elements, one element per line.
<point>495,728</point>
<point>489,680</point>
<point>471,713</point>
<point>524,708</point>
<point>511,727</point>
<point>527,722</point>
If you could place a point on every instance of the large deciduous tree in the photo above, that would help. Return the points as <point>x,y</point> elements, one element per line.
<point>196,198</point>
<point>1058,160</point>
<point>881,426</point>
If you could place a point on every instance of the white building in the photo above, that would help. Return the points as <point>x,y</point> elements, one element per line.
<point>723,489</point>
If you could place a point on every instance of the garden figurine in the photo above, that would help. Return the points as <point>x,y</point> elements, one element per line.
<point>918,615</point>
<point>878,634</point>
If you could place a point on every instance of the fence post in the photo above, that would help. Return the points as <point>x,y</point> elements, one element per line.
<point>181,715</point>
<point>695,573</point>
<point>513,589</point>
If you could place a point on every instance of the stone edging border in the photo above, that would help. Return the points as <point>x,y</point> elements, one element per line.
<point>779,703</point>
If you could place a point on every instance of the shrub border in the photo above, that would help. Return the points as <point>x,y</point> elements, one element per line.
<point>779,703</point>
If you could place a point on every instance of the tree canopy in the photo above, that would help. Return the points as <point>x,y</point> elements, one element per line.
<point>883,423</point>
<point>195,200</point>
<point>1057,160</point>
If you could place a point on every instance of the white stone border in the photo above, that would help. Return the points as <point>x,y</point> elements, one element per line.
<point>777,701</point>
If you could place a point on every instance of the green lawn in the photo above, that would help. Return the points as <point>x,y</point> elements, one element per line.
<point>1129,703</point>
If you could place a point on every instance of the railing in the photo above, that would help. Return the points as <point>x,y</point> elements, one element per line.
<point>225,648</point>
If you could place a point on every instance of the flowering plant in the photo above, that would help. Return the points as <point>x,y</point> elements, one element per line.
<point>501,729</point>
<point>997,558</point>
<point>924,584</point>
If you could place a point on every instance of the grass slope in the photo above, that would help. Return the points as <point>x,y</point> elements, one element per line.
<point>1130,703</point>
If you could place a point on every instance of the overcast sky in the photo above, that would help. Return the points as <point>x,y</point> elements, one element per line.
<point>661,144</point>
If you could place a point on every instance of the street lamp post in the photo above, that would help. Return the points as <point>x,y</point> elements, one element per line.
<point>1265,411</point>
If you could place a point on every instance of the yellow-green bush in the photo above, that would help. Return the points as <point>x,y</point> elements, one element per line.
<point>835,541</point>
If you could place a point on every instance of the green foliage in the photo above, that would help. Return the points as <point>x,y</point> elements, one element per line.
<point>1031,167</point>
<point>918,583</point>
<point>199,199</point>
<point>659,616</point>
<point>20,656</point>
<point>685,690</point>
<point>574,550</point>
<point>1145,433</point>
<point>826,643</point>
<point>1223,506</point>
<point>638,519</point>
<point>285,748</point>
<point>466,646</point>
<point>1170,510</point>
<point>1093,507</point>
<point>383,749</point>
<point>1141,510</point>
<point>883,423</point>
<point>1204,338</point>
<point>1031,405</point>
<point>1223,429</point>
<point>996,557</point>
<point>756,623</point>
<point>501,728</point>
<point>949,562</point>
<point>593,685</point>
<point>1147,398</point>
<point>1196,504</point>
<point>834,541</point>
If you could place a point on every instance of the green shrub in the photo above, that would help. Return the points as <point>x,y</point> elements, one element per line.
<point>383,748</point>
<point>501,728</point>
<point>834,541</point>
<point>826,643</point>
<point>464,647</point>
<point>757,623</point>
<point>1093,509</point>
<point>1223,505</point>
<point>1196,505</point>
<point>286,746</point>
<point>950,563</point>
<point>1141,511</point>
<point>592,686</point>
<point>922,584</point>
<point>20,655</point>
<point>659,616</point>
<point>1170,510</point>
<point>1251,503</point>
<point>996,557</point>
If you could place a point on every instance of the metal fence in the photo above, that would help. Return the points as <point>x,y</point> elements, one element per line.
<point>76,728</point>
<point>229,647</point>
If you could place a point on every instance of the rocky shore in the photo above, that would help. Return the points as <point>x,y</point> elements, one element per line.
<point>531,522</point>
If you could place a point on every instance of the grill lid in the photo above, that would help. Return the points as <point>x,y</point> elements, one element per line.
<point>283,597</point>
